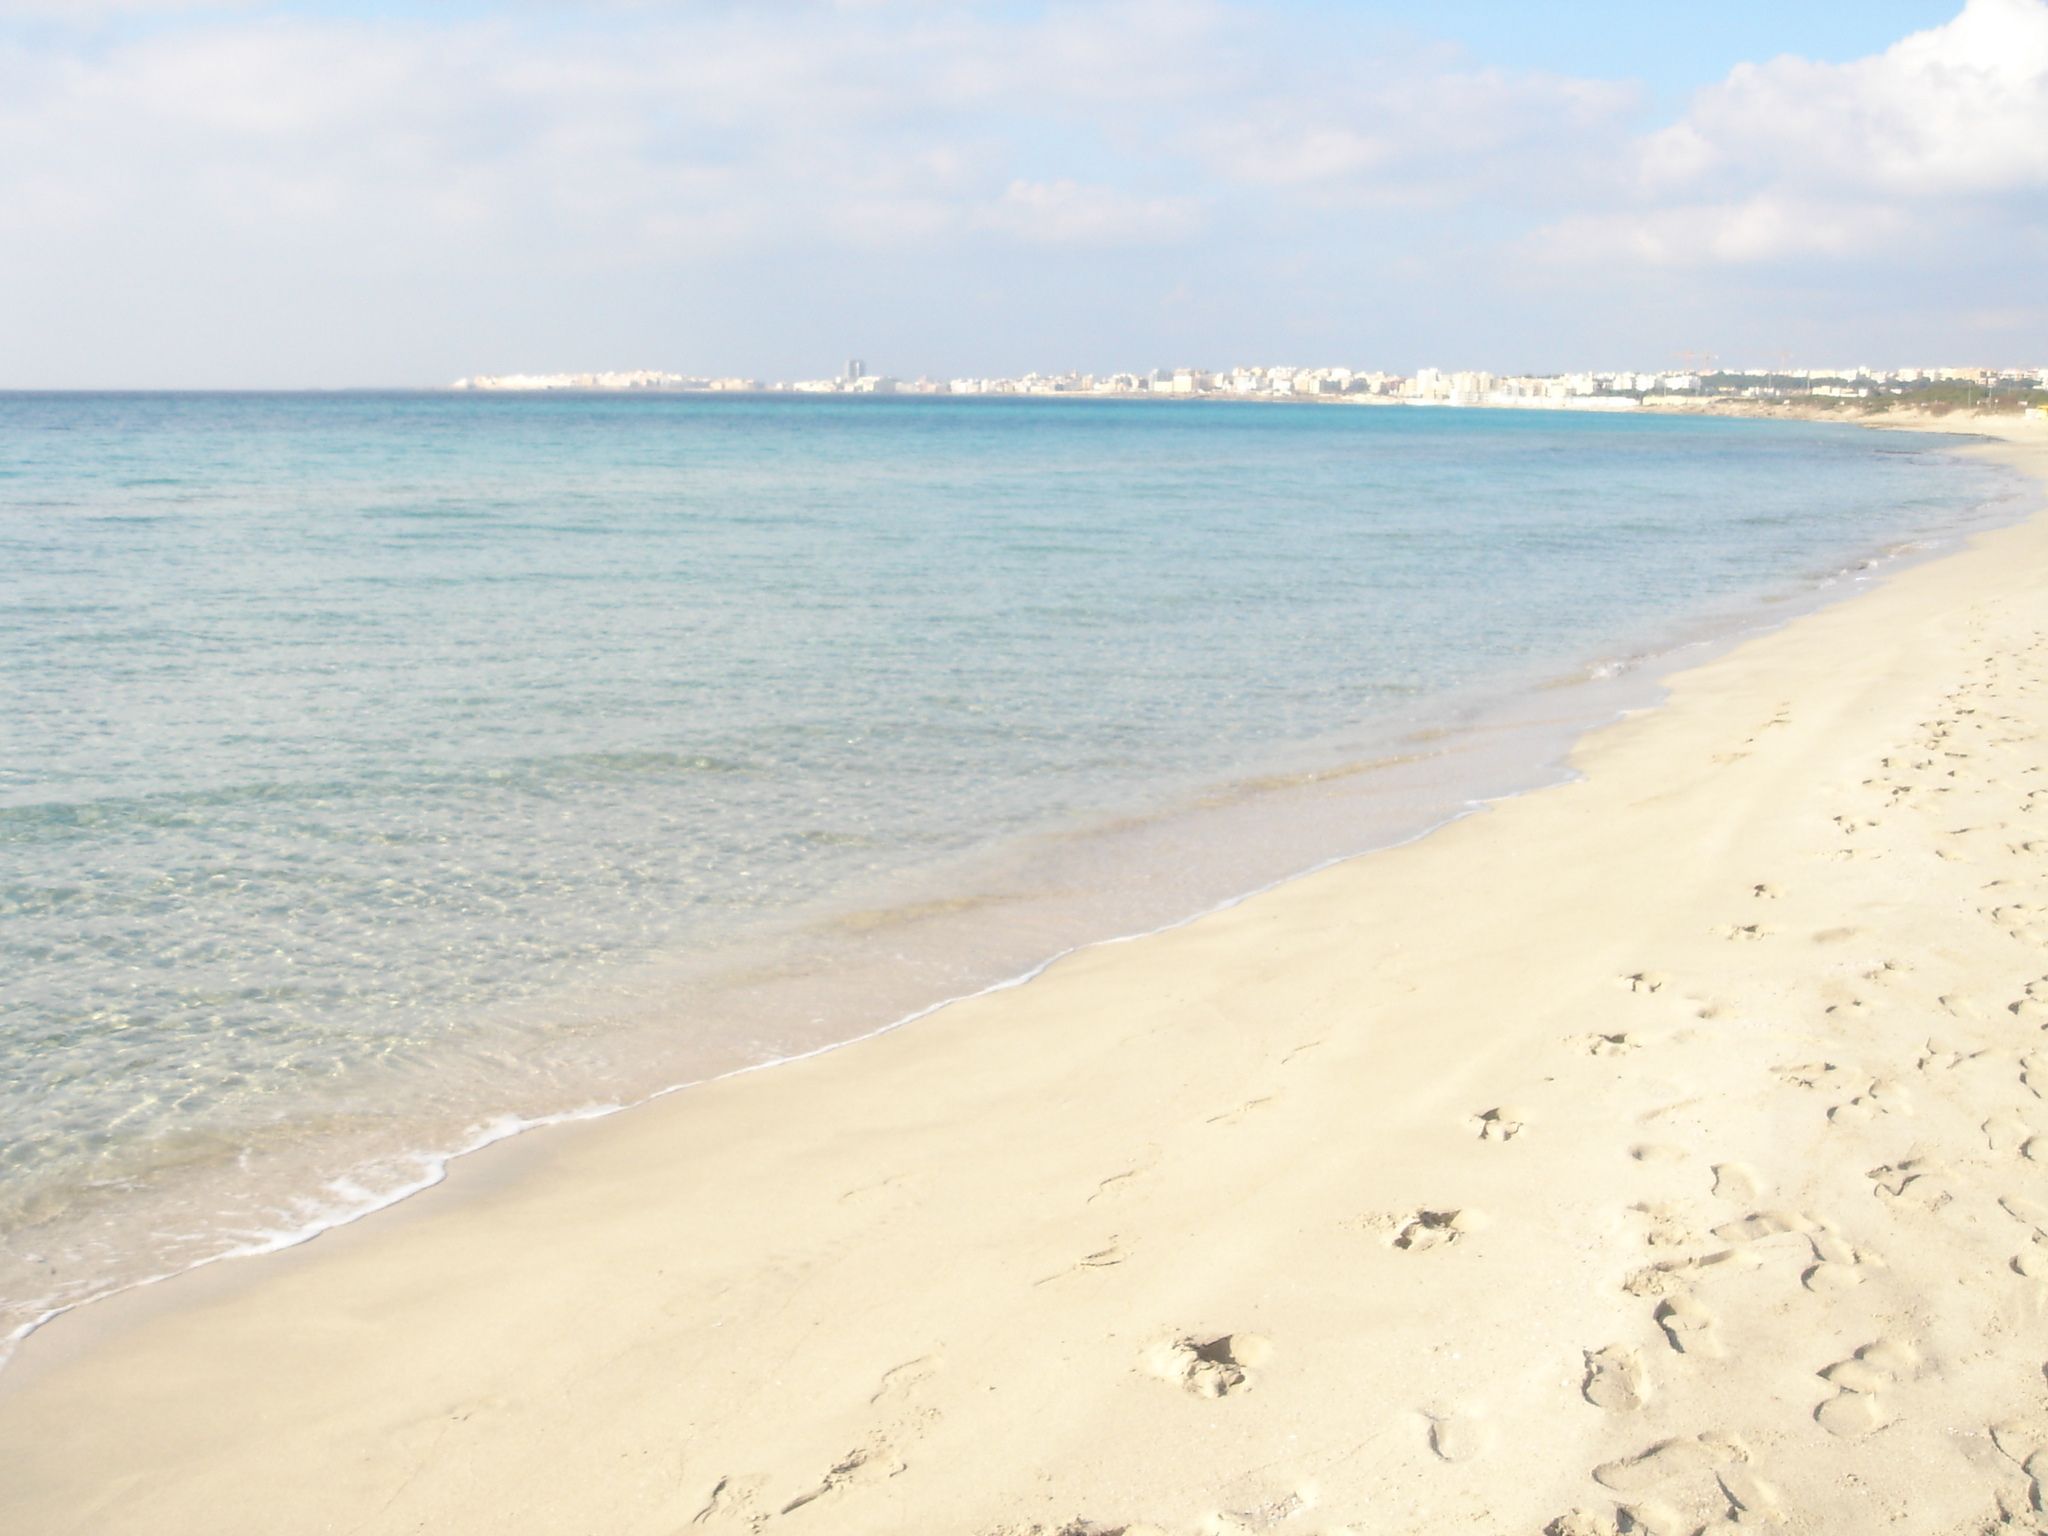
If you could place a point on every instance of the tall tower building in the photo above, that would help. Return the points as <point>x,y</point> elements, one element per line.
<point>855,369</point>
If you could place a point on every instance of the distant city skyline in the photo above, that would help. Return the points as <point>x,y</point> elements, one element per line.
<point>1705,380</point>
<point>856,374</point>
<point>263,194</point>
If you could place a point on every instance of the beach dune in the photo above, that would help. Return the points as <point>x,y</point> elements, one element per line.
<point>1664,1151</point>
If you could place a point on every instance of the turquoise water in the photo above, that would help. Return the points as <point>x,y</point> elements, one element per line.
<point>381,772</point>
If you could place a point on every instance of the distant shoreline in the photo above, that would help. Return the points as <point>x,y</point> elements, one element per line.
<point>1849,412</point>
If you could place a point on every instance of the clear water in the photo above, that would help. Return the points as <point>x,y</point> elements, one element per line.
<point>378,772</point>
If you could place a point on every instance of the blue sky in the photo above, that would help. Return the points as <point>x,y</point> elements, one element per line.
<point>325,194</point>
<point>1671,48</point>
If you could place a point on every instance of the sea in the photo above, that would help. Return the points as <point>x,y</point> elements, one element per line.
<point>385,774</point>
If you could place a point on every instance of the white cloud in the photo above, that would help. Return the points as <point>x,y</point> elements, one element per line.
<point>774,123</point>
<point>1065,212</point>
<point>1959,109</point>
<point>93,12</point>
<point>1252,151</point>
<point>1755,229</point>
<point>1894,153</point>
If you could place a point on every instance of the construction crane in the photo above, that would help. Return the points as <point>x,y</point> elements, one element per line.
<point>1697,364</point>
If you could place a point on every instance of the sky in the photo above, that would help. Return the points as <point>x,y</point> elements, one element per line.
<point>249,194</point>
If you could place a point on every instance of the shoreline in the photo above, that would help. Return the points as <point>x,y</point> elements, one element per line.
<point>180,1329</point>
<point>1879,414</point>
<point>1604,692</point>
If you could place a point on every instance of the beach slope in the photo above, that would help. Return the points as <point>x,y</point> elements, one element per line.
<point>1663,1151</point>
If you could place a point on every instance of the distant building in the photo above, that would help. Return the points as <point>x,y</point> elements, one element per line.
<point>640,379</point>
<point>856,370</point>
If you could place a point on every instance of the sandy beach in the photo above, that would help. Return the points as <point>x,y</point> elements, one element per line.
<point>1664,1151</point>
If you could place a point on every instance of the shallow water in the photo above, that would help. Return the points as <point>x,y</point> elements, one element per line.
<point>378,771</point>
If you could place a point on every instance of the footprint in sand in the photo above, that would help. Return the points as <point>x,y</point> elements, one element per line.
<point>2006,1132</point>
<point>1420,1231</point>
<point>1606,1045</point>
<point>1960,1005</point>
<point>1615,1379</point>
<point>2028,924</point>
<point>2031,1007</point>
<point>1262,1513</point>
<point>1751,1500</point>
<point>1855,1409</point>
<point>1102,1258</point>
<point>1917,1184</point>
<point>1457,1436</point>
<point>1121,1181</point>
<point>1688,1326</point>
<point>1671,1275</point>
<point>1837,1265</point>
<point>1747,1502</point>
<point>1249,1106</point>
<point>1735,1181</point>
<point>1212,1367</point>
<point>1757,1226</point>
<point>1686,1456</point>
<point>2022,1444</point>
<point>1804,1074</point>
<point>2032,1260</point>
<point>1743,931</point>
<point>1941,1056</point>
<point>1664,1226</point>
<point>863,1464</point>
<point>1499,1124</point>
<point>2028,1213</point>
<point>1580,1522</point>
<point>900,1381</point>
<point>1884,1096</point>
<point>733,1501</point>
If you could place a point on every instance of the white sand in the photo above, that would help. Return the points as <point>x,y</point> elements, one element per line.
<point>1671,1142</point>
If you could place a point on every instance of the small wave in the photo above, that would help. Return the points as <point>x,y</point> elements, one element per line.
<point>351,1201</point>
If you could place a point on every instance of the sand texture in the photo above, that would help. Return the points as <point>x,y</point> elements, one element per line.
<point>1666,1151</point>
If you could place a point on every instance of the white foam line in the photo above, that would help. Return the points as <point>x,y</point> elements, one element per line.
<point>503,1127</point>
<point>434,1168</point>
